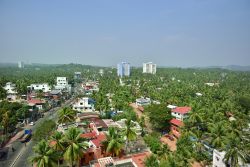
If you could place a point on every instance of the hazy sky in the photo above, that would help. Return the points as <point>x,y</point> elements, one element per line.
<point>104,32</point>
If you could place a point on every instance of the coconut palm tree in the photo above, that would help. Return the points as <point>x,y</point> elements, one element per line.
<point>235,152</point>
<point>129,131</point>
<point>57,138</point>
<point>142,125</point>
<point>217,133</point>
<point>171,161</point>
<point>151,161</point>
<point>40,94</point>
<point>6,121</point>
<point>58,143</point>
<point>195,119</point>
<point>75,146</point>
<point>44,155</point>
<point>114,141</point>
<point>164,152</point>
<point>66,115</point>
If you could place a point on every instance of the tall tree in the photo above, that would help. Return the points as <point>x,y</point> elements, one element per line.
<point>217,131</point>
<point>151,161</point>
<point>159,116</point>
<point>57,143</point>
<point>3,93</point>
<point>6,121</point>
<point>75,146</point>
<point>235,151</point>
<point>129,131</point>
<point>66,115</point>
<point>44,155</point>
<point>114,141</point>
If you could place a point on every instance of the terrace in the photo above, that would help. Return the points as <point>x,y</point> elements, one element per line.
<point>136,160</point>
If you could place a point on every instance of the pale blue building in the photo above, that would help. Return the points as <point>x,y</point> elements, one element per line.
<point>123,69</point>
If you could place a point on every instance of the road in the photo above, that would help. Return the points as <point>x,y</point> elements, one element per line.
<point>20,156</point>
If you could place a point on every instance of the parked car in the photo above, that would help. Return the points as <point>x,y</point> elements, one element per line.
<point>31,123</point>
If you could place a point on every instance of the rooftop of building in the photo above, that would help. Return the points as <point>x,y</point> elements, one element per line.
<point>182,110</point>
<point>35,101</point>
<point>176,122</point>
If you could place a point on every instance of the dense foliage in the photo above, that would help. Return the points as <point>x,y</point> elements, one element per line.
<point>44,130</point>
<point>218,116</point>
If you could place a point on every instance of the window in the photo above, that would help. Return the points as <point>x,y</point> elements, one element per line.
<point>217,158</point>
<point>81,103</point>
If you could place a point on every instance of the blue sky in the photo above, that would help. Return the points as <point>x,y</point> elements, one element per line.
<point>169,33</point>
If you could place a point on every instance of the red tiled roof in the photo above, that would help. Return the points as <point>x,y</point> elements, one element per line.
<point>98,122</point>
<point>35,101</point>
<point>176,122</point>
<point>140,108</point>
<point>88,135</point>
<point>98,141</point>
<point>138,159</point>
<point>182,110</point>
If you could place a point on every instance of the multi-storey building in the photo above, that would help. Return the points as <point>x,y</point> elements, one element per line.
<point>180,113</point>
<point>11,91</point>
<point>62,84</point>
<point>44,87</point>
<point>84,104</point>
<point>149,68</point>
<point>20,64</point>
<point>123,69</point>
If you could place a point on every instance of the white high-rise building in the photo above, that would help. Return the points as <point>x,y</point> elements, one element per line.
<point>149,68</point>
<point>101,72</point>
<point>123,69</point>
<point>20,64</point>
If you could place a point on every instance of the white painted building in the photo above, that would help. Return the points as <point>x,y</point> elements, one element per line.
<point>121,124</point>
<point>198,94</point>
<point>62,84</point>
<point>84,104</point>
<point>101,72</point>
<point>11,91</point>
<point>143,101</point>
<point>20,64</point>
<point>149,68</point>
<point>212,84</point>
<point>180,113</point>
<point>44,87</point>
<point>77,75</point>
<point>170,106</point>
<point>218,160</point>
<point>10,88</point>
<point>62,81</point>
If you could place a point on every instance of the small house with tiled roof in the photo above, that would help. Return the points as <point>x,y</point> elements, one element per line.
<point>180,113</point>
<point>175,127</point>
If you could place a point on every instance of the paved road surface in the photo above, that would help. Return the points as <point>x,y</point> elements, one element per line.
<point>20,156</point>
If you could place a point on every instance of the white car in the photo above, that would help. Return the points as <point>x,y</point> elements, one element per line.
<point>31,123</point>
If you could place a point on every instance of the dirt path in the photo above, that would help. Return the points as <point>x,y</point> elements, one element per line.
<point>140,114</point>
